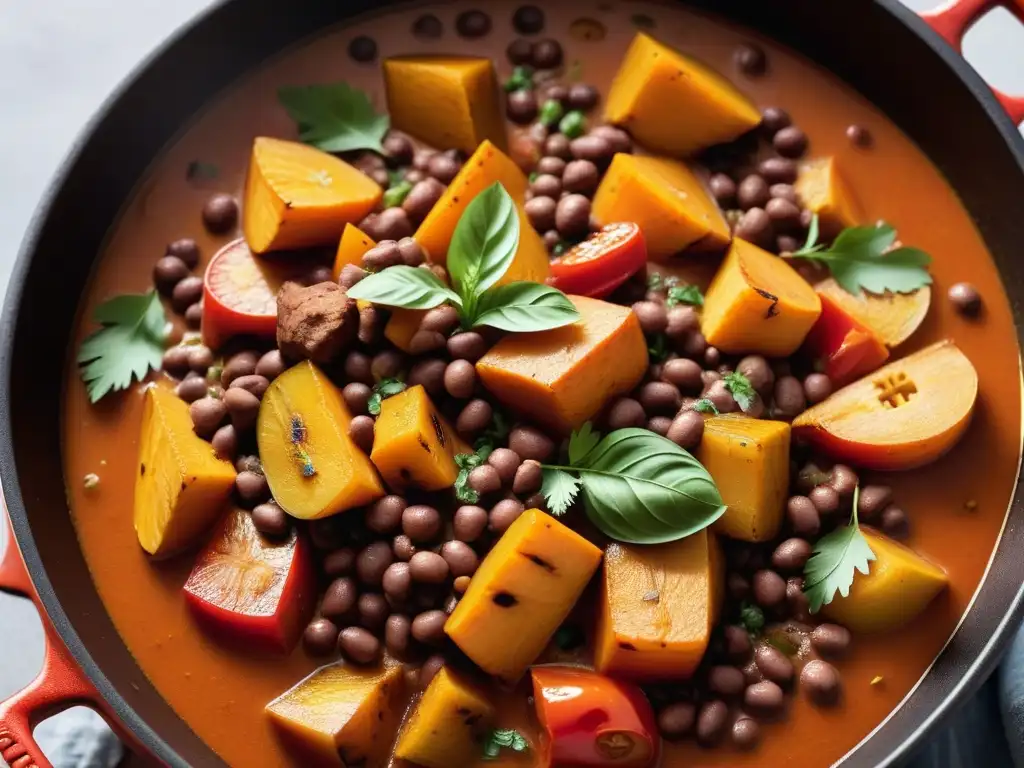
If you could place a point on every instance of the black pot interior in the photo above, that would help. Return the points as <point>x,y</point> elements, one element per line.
<point>879,48</point>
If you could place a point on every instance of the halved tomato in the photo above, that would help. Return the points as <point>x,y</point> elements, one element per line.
<point>249,588</point>
<point>602,262</point>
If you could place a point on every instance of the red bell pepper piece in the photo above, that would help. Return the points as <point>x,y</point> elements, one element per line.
<point>846,348</point>
<point>249,588</point>
<point>602,262</point>
<point>593,721</point>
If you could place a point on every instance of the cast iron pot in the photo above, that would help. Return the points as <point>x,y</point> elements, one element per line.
<point>900,62</point>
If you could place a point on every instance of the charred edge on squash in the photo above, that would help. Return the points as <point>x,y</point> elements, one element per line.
<point>438,429</point>
<point>538,560</point>
<point>773,308</point>
<point>298,437</point>
<point>504,600</point>
<point>423,443</point>
<point>142,470</point>
<point>627,646</point>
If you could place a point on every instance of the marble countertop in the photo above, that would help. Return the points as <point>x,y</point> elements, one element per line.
<point>60,58</point>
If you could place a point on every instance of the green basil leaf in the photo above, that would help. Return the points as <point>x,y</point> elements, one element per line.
<point>525,306</point>
<point>484,242</point>
<point>642,488</point>
<point>406,287</point>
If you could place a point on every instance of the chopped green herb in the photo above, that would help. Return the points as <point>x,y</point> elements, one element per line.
<point>130,343</point>
<point>705,406</point>
<point>533,176</point>
<point>836,558</point>
<point>90,481</point>
<point>395,176</point>
<point>684,294</point>
<point>504,738</point>
<point>573,124</point>
<point>213,373</point>
<point>657,348</point>
<point>494,434</point>
<point>551,112</point>
<point>395,195</point>
<point>521,79</point>
<point>751,617</point>
<point>382,390</point>
<point>335,117</point>
<point>742,390</point>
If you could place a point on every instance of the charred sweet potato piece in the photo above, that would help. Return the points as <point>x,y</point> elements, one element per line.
<point>181,486</point>
<point>297,196</point>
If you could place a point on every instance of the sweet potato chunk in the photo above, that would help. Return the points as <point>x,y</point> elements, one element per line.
<point>673,103</point>
<point>758,303</point>
<point>822,190</point>
<point>523,590</point>
<point>658,605</point>
<point>561,378</point>
<point>413,445</point>
<point>313,467</point>
<point>297,196</point>
<point>666,200</point>
<point>749,462</point>
<point>181,486</point>
<point>448,725</point>
<point>899,585</point>
<point>487,165</point>
<point>353,244</point>
<point>445,101</point>
<point>402,326</point>
<point>342,715</point>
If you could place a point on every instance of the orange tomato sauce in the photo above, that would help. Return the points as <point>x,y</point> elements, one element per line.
<point>220,691</point>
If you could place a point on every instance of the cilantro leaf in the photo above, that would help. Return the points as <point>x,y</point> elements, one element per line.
<point>130,343</point>
<point>335,117</point>
<point>742,390</point>
<point>382,390</point>
<point>684,294</point>
<point>705,406</point>
<point>860,259</point>
<point>657,349</point>
<point>751,617</point>
<point>835,560</point>
<point>582,442</point>
<point>397,193</point>
<point>559,489</point>
<point>504,738</point>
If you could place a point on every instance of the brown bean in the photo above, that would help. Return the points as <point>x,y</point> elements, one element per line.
<point>358,645</point>
<point>238,365</point>
<point>521,106</point>
<point>791,555</point>
<point>626,412</point>
<point>785,192</point>
<point>581,176</point>
<point>461,559</point>
<point>557,145</point>
<point>652,315</point>
<point>428,568</point>
<point>750,59</point>
<point>554,165</point>
<point>790,142</point>
<point>373,610</point>
<point>429,374</point>
<point>485,479</point>
<point>737,586</point>
<point>778,170</point>
<point>789,397</point>
<point>192,388</point>
<point>712,723</point>
<point>460,379</point>
<point>686,429</point>
<point>831,640</point>
<point>726,681</point>
<point>467,345</point>
<point>737,644</point>
<point>443,167</point>
<point>271,520</point>
<point>785,215</point>
<point>397,634</point>
<point>430,668</point>
<point>200,359</point>
<point>546,185</point>
<point>594,147</point>
<point>339,597</point>
<point>340,562</point>
<point>421,523</point>
<point>428,627</point>
<point>507,462</point>
<point>618,138</point>
<point>503,514</point>
<point>175,360</point>
<point>825,499</point>
<point>746,733</point>
<point>718,393</point>
<point>326,534</point>
<point>683,321</point>
<point>873,500</point>
<point>360,429</point>
<point>660,397</point>
<point>752,192</point>
<point>168,272</point>
<point>677,720</point>
<point>572,216</point>
<point>528,479</point>
<point>769,588</point>
<point>774,664</point>
<point>186,249</point>
<point>356,395</point>
<point>225,442</point>
<point>403,547</point>
<point>469,523</point>
<point>683,373</point>
<point>186,292</point>
<point>659,425</point>
<point>320,637</point>
<point>397,581</point>
<point>713,357</point>
<point>764,699</point>
<point>385,514</point>
<point>895,523</point>
<point>252,487</point>
<point>531,443</point>
<point>475,416</point>
<point>817,387</point>
<point>253,383</point>
<point>966,299</point>
<point>207,415</point>
<point>723,188</point>
<point>843,479</point>
<point>243,407</point>
<point>372,561</point>
<point>754,226</point>
<point>821,681</point>
<point>859,136</point>
<point>387,364</point>
<point>774,119</point>
<point>425,341</point>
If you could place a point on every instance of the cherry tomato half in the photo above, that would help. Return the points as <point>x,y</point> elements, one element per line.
<point>602,262</point>
<point>593,721</point>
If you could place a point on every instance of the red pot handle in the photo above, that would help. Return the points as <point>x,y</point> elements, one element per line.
<point>59,685</point>
<point>952,20</point>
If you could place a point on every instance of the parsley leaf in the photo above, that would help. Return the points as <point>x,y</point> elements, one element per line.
<point>396,194</point>
<point>559,489</point>
<point>335,117</point>
<point>835,560</point>
<point>751,617</point>
<point>382,390</point>
<point>657,349</point>
<point>684,294</point>
<point>860,259</point>
<point>742,390</point>
<point>504,738</point>
<point>705,406</point>
<point>129,344</point>
<point>521,79</point>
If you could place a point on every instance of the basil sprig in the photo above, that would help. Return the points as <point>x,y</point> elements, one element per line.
<point>637,486</point>
<point>482,249</point>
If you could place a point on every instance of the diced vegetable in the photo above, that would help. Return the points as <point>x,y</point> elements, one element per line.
<point>666,200</point>
<point>673,103</point>
<point>822,190</point>
<point>297,196</point>
<point>893,316</point>
<point>448,724</point>
<point>413,444</point>
<point>602,262</point>
<point>445,101</point>
<point>342,715</point>
<point>592,721</point>
<point>181,486</point>
<point>312,465</point>
<point>844,347</point>
<point>251,588</point>
<point>561,378</point>
<point>658,605</point>
<point>521,593</point>
<point>402,326</point>
<point>758,303</point>
<point>353,244</point>
<point>749,461</point>
<point>899,586</point>
<point>904,415</point>
<point>487,165</point>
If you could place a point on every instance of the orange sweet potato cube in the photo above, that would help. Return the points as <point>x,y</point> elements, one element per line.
<point>353,244</point>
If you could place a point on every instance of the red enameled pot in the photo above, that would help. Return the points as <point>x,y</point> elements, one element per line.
<point>902,63</point>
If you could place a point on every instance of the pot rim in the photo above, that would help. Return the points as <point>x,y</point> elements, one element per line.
<point>978,670</point>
